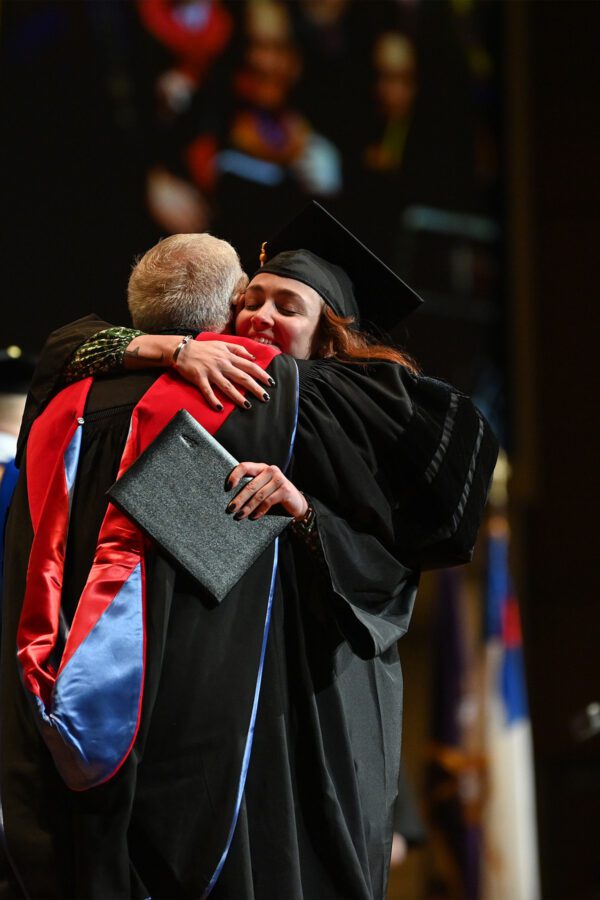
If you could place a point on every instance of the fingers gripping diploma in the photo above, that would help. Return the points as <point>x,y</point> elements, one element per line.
<point>217,365</point>
<point>268,487</point>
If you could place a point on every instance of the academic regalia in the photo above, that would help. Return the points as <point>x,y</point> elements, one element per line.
<point>315,819</point>
<point>397,469</point>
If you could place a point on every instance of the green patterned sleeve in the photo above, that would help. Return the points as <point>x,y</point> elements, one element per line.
<point>101,353</point>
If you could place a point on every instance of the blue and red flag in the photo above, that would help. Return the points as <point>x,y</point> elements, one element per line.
<point>510,862</point>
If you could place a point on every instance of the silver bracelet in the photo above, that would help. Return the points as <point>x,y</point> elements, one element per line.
<point>179,348</point>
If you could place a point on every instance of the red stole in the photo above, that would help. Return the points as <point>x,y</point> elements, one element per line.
<point>88,704</point>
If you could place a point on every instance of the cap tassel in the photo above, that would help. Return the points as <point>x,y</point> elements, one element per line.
<point>263,253</point>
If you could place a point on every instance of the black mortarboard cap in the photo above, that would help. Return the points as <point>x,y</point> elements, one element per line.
<point>318,250</point>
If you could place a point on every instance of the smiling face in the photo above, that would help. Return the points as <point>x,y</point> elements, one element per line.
<point>280,311</point>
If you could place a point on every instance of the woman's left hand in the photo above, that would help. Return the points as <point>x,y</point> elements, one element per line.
<point>268,487</point>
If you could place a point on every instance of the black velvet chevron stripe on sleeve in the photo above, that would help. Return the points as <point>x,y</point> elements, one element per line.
<point>447,455</point>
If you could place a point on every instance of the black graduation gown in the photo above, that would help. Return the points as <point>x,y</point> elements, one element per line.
<point>315,820</point>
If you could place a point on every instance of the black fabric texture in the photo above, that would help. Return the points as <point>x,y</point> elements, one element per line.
<point>428,450</point>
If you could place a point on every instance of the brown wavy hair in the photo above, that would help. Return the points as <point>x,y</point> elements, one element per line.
<point>336,340</point>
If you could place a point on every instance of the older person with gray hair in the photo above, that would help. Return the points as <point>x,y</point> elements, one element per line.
<point>150,663</point>
<point>185,281</point>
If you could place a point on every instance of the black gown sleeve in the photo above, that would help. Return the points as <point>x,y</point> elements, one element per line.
<point>398,467</point>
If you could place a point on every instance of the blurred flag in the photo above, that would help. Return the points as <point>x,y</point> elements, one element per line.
<point>510,858</point>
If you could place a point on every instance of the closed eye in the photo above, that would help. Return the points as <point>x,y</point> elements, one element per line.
<point>256,304</point>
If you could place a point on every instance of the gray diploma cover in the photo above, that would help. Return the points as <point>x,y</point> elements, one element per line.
<point>175,492</point>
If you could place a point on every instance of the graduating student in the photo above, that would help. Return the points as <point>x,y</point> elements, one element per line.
<point>394,470</point>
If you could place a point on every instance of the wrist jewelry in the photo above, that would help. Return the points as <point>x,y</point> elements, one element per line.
<point>304,526</point>
<point>179,348</point>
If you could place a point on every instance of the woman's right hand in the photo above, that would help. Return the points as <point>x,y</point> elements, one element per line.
<point>209,365</point>
<point>219,365</point>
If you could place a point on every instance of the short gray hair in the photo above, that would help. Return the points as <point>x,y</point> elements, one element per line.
<point>184,281</point>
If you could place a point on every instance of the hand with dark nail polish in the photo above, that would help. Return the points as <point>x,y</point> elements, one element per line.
<point>266,397</point>
<point>272,382</point>
<point>238,516</point>
<point>229,509</point>
<point>219,408</point>
<point>247,404</point>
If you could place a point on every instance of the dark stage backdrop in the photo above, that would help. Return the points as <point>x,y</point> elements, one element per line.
<point>127,121</point>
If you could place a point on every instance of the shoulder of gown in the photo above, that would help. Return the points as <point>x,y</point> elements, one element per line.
<point>424,444</point>
<point>53,359</point>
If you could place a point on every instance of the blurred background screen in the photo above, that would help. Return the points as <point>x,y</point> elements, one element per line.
<point>126,121</point>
